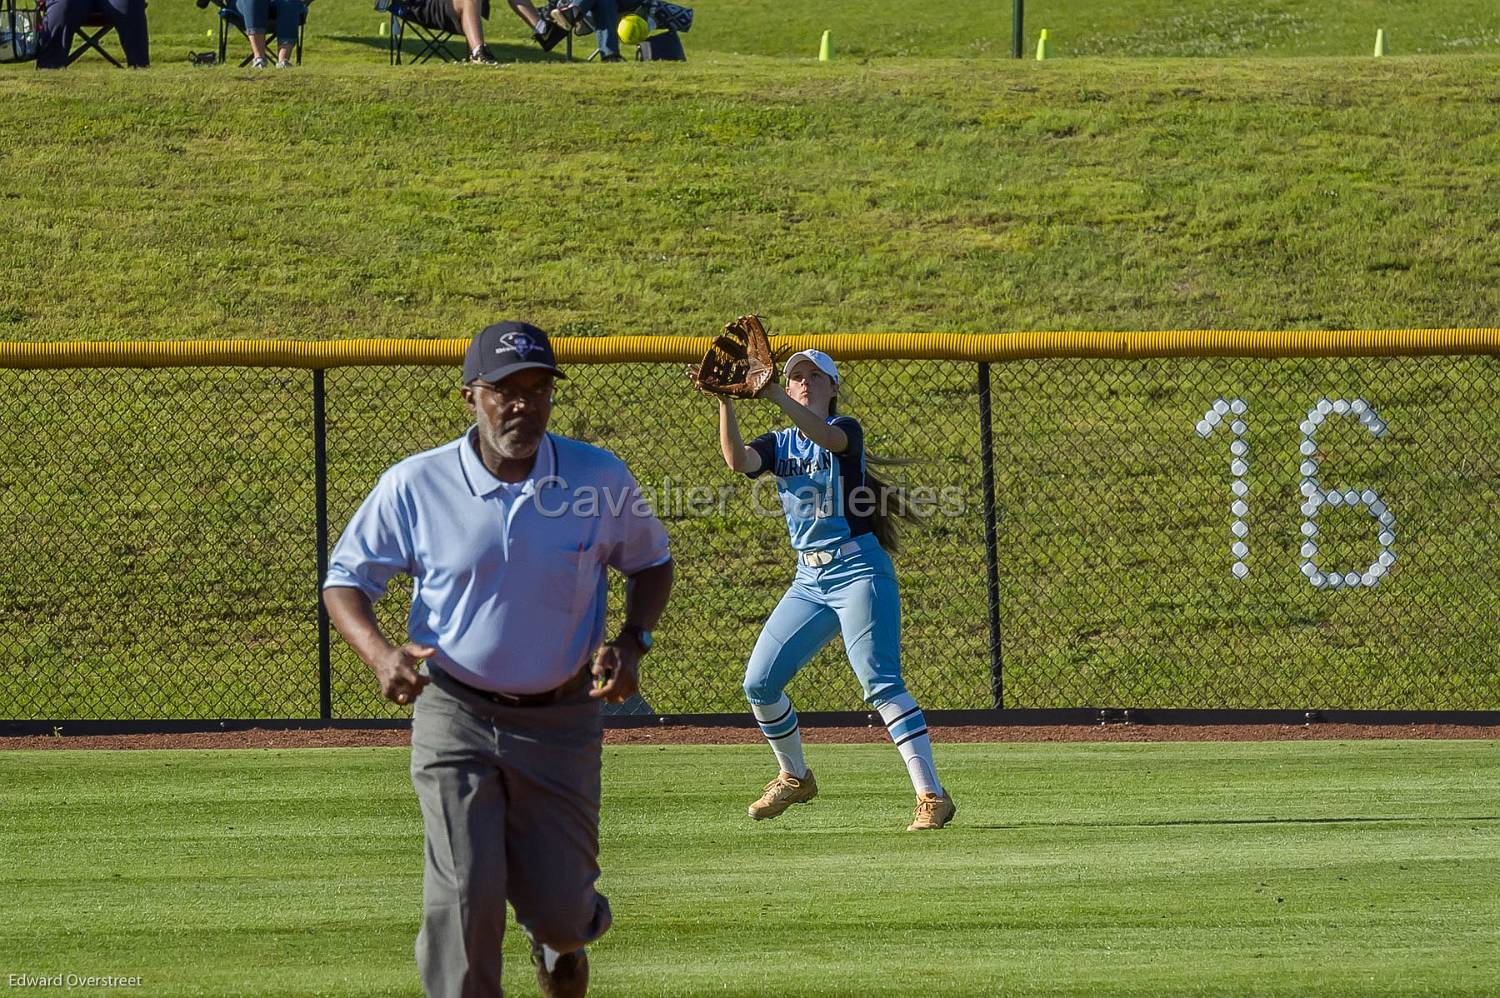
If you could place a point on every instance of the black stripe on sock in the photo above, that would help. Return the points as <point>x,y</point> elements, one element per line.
<point>789,734</point>
<point>914,734</point>
<point>903,717</point>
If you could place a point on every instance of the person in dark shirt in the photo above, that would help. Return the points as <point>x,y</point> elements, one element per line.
<point>62,19</point>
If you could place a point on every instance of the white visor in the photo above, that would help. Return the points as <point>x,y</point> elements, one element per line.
<point>822,360</point>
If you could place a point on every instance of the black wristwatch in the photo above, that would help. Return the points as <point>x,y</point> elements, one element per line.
<point>639,635</point>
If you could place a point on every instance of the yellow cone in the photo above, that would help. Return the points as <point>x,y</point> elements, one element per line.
<point>1043,46</point>
<point>1379,41</point>
<point>825,49</point>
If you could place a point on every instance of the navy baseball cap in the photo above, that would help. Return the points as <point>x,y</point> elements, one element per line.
<point>505,348</point>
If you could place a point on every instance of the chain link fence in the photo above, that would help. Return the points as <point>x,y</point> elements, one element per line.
<point>161,532</point>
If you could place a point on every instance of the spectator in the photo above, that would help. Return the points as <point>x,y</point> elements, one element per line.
<point>61,20</point>
<point>543,32</point>
<point>464,17</point>
<point>255,13</point>
<point>604,15</point>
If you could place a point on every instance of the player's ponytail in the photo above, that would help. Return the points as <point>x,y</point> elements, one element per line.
<point>889,504</point>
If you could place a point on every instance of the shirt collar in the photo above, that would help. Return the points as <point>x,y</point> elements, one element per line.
<point>482,481</point>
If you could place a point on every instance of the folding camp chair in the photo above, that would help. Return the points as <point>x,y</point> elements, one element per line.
<point>230,17</point>
<point>663,44</point>
<point>432,39</point>
<point>19,32</point>
<point>584,27</point>
<point>94,29</point>
<point>91,32</point>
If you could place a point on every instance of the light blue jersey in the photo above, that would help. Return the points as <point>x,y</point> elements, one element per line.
<point>845,584</point>
<point>815,485</point>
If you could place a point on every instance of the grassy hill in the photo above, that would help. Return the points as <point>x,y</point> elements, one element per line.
<point>146,517</point>
<point>359,200</point>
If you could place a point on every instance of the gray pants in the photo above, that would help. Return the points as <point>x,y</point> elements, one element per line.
<point>510,811</point>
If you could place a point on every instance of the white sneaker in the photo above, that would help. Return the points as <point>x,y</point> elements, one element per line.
<point>283,64</point>
<point>260,63</point>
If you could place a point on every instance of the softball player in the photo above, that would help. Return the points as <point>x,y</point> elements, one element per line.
<point>845,582</point>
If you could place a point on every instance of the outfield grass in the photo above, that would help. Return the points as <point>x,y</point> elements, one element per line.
<point>1102,869</point>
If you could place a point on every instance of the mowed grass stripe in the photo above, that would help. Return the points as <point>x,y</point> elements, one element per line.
<point>1223,868</point>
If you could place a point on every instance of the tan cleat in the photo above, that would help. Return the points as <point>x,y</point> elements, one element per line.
<point>933,811</point>
<point>782,792</point>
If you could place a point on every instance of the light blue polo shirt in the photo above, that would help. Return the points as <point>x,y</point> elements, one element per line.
<point>508,581</point>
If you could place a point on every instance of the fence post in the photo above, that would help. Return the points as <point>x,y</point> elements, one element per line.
<point>991,559</point>
<point>1017,27</point>
<point>320,492</point>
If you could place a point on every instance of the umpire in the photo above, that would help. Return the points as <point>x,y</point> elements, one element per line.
<point>506,533</point>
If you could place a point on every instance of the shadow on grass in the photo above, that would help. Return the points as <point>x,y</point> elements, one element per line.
<point>503,51</point>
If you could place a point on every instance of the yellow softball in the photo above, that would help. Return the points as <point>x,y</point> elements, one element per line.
<point>633,29</point>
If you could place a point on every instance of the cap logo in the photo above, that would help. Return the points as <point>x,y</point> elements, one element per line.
<point>521,344</point>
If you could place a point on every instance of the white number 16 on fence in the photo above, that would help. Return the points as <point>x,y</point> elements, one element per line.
<point>1315,497</point>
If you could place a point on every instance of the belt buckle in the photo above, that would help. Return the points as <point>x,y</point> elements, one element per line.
<point>818,558</point>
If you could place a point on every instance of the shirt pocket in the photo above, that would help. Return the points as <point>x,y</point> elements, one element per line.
<point>572,576</point>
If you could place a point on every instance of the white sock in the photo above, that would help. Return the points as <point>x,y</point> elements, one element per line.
<point>778,722</point>
<point>908,729</point>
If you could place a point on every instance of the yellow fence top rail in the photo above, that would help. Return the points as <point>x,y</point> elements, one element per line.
<point>843,346</point>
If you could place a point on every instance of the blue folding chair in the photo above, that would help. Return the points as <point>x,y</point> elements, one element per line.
<point>229,17</point>
<point>94,28</point>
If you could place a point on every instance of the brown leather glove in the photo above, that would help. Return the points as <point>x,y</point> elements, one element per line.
<point>739,362</point>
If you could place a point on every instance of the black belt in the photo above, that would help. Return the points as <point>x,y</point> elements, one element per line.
<point>579,680</point>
